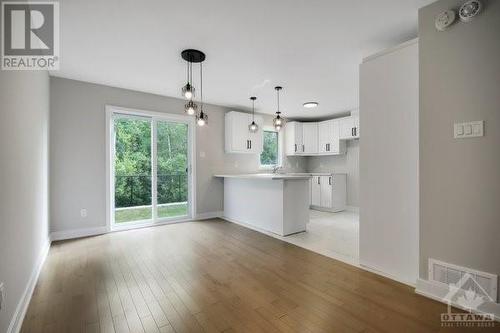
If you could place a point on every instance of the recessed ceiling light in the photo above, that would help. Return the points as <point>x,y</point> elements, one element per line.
<point>310,105</point>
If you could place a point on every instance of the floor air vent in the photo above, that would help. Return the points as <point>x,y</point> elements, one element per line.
<point>481,283</point>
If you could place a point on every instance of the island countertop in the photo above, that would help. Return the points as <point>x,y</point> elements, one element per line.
<point>272,176</point>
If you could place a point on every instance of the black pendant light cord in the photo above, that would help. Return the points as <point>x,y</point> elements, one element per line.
<point>253,109</point>
<point>201,85</point>
<point>278,94</point>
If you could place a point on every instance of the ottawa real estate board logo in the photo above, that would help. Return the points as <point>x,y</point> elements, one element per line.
<point>30,35</point>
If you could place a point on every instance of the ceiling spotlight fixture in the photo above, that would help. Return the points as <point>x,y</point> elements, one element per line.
<point>310,105</point>
<point>278,122</point>
<point>194,56</point>
<point>253,127</point>
<point>469,10</point>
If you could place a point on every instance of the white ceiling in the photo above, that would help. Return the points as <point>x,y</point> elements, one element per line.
<point>311,47</point>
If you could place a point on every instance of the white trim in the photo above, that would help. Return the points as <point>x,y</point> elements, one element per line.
<point>438,292</point>
<point>154,116</point>
<point>384,274</point>
<point>390,50</point>
<point>18,316</point>
<point>77,233</point>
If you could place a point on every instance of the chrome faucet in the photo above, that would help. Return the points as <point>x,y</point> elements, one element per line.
<point>276,168</point>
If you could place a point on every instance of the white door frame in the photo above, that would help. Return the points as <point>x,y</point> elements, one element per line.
<point>110,172</point>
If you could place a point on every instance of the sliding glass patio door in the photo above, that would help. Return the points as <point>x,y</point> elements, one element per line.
<point>150,164</point>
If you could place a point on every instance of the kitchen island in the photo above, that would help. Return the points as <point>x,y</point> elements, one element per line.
<point>276,203</point>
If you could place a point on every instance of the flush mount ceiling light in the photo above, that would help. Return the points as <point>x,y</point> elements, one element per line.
<point>253,127</point>
<point>278,122</point>
<point>192,56</point>
<point>310,105</point>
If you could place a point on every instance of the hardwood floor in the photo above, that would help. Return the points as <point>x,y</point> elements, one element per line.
<point>215,276</point>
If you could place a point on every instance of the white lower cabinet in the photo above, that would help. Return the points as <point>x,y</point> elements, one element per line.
<point>328,192</point>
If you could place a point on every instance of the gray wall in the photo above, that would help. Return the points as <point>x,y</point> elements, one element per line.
<point>460,179</point>
<point>24,114</point>
<point>77,139</point>
<point>348,163</point>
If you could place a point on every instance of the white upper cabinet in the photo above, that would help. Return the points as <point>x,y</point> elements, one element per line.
<point>238,139</point>
<point>310,138</point>
<point>293,138</point>
<point>349,127</point>
<point>329,138</point>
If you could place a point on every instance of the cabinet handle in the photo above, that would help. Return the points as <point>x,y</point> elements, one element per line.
<point>250,144</point>
<point>355,131</point>
<point>295,147</point>
<point>330,180</point>
<point>318,180</point>
<point>303,149</point>
<point>352,131</point>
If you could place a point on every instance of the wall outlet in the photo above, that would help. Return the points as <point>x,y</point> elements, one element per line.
<point>83,212</point>
<point>2,295</point>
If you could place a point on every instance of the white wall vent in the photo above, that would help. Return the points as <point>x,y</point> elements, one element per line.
<point>450,274</point>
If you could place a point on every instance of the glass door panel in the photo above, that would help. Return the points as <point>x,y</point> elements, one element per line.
<point>132,169</point>
<point>172,181</point>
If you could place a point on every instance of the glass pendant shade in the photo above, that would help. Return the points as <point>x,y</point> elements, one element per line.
<point>253,127</point>
<point>202,119</point>
<point>188,91</point>
<point>190,108</point>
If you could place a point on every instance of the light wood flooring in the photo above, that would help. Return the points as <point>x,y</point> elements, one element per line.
<point>215,276</point>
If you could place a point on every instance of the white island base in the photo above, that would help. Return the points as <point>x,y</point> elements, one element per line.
<point>271,203</point>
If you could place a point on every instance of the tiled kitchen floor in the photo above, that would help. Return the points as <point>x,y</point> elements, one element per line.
<point>335,235</point>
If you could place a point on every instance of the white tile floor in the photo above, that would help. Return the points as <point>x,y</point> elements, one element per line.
<point>335,235</point>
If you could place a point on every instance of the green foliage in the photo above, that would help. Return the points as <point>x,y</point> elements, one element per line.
<point>133,162</point>
<point>269,154</point>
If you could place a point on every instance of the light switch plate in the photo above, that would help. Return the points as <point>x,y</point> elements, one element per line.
<point>471,129</point>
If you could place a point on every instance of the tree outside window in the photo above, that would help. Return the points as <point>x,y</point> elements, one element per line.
<point>270,151</point>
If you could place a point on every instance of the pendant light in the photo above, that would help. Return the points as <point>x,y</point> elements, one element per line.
<point>253,127</point>
<point>202,118</point>
<point>191,108</point>
<point>188,89</point>
<point>278,122</point>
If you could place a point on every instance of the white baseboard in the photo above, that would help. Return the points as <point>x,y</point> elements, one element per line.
<point>77,233</point>
<point>384,274</point>
<point>209,215</point>
<point>438,292</point>
<point>354,209</point>
<point>22,306</point>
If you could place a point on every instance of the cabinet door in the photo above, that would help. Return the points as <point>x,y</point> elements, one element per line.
<point>239,132</point>
<point>324,144</point>
<point>310,138</point>
<point>256,139</point>
<point>326,191</point>
<point>293,138</point>
<point>345,128</point>
<point>355,125</point>
<point>316,191</point>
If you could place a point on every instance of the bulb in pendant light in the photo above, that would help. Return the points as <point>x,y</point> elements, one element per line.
<point>202,119</point>
<point>190,108</point>
<point>253,127</point>
<point>188,91</point>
